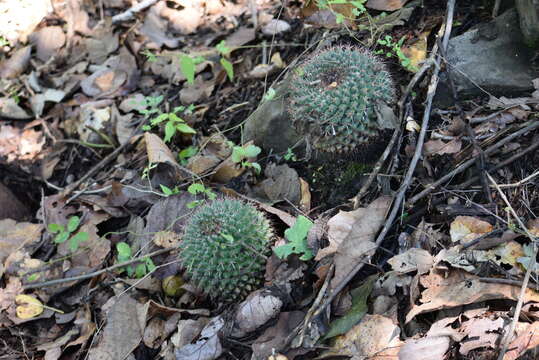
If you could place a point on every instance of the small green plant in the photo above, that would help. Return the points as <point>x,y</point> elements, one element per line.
<point>150,56</point>
<point>146,171</point>
<point>125,254</point>
<point>240,155</point>
<point>186,154</point>
<point>297,240</point>
<point>173,122</point>
<point>168,191</point>
<point>224,248</point>
<point>395,49</point>
<point>188,63</point>
<point>198,188</point>
<point>290,156</point>
<point>270,94</point>
<point>69,233</point>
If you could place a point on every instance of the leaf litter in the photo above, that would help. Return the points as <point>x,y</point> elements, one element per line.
<point>78,83</point>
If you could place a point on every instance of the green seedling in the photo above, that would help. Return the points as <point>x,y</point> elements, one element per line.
<point>188,63</point>
<point>64,234</point>
<point>173,122</point>
<point>358,8</point>
<point>168,191</point>
<point>240,155</point>
<point>198,188</point>
<point>125,254</point>
<point>395,49</point>
<point>186,154</point>
<point>297,240</point>
<point>290,156</point>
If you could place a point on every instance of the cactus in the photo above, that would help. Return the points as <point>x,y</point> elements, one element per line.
<point>224,248</point>
<point>333,97</point>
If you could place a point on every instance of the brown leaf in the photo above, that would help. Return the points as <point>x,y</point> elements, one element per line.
<point>14,236</point>
<point>11,207</point>
<point>438,147</point>
<point>359,243</point>
<point>467,228</point>
<point>375,335</point>
<point>259,307</point>
<point>15,65</point>
<point>158,151</point>
<point>461,288</point>
<point>386,5</point>
<point>481,333</point>
<point>427,348</point>
<point>527,339</point>
<point>412,260</point>
<point>47,41</point>
<point>274,338</point>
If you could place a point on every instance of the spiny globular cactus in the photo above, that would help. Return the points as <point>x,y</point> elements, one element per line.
<point>333,97</point>
<point>224,248</point>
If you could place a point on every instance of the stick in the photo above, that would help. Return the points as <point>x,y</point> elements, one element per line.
<point>531,125</point>
<point>507,337</point>
<point>129,13</point>
<point>95,273</point>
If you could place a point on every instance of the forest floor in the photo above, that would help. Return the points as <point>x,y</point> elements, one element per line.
<point>120,121</point>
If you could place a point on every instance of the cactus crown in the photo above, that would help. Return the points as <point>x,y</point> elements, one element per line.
<point>333,97</point>
<point>223,248</point>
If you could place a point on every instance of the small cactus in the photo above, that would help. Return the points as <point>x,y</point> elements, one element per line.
<point>224,248</point>
<point>333,97</point>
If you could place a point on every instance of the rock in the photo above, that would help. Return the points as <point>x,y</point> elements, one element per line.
<point>270,126</point>
<point>493,57</point>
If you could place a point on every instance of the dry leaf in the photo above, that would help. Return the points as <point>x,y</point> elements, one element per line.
<point>467,228</point>
<point>438,147</point>
<point>359,243</point>
<point>386,5</point>
<point>29,307</point>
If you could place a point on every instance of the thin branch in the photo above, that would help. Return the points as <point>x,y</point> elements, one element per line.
<point>129,13</point>
<point>95,273</point>
<point>531,125</point>
<point>531,265</point>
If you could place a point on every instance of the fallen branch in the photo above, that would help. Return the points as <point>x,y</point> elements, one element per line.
<point>95,273</point>
<point>129,13</point>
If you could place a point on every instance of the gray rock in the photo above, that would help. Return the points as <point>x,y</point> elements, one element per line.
<point>492,57</point>
<point>270,126</point>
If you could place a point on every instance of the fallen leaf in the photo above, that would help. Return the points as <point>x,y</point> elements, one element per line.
<point>427,348</point>
<point>359,243</point>
<point>259,307</point>
<point>412,260</point>
<point>208,347</point>
<point>275,26</point>
<point>48,41</point>
<point>416,52</point>
<point>386,5</point>
<point>15,65</point>
<point>438,147</point>
<point>481,333</point>
<point>467,228</point>
<point>527,339</point>
<point>28,306</point>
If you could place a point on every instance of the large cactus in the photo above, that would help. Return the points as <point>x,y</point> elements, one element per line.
<point>224,247</point>
<point>333,98</point>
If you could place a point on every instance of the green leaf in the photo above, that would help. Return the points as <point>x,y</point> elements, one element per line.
<point>146,127</point>
<point>227,237</point>
<point>61,237</point>
<point>257,167</point>
<point>210,194</point>
<point>54,228</point>
<point>186,129</point>
<point>124,251</point>
<point>149,264</point>
<point>339,18</point>
<point>159,119</point>
<point>270,94</point>
<point>187,153</point>
<point>222,48</point>
<point>297,237</point>
<point>187,67</point>
<point>166,190</point>
<point>73,223</point>
<point>77,239</point>
<point>32,277</point>
<point>170,130</point>
<point>175,118</point>
<point>252,151</point>
<point>140,271</point>
<point>238,154</point>
<point>194,204</point>
<point>229,68</point>
<point>196,188</point>
<point>357,311</point>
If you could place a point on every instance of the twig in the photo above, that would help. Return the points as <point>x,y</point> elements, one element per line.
<point>129,13</point>
<point>531,125</point>
<point>533,146</point>
<point>507,282</point>
<point>95,273</point>
<point>531,265</point>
